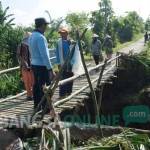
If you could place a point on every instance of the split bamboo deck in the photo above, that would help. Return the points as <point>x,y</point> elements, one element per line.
<point>15,109</point>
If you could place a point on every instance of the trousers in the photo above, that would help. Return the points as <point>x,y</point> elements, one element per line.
<point>41,78</point>
<point>66,89</point>
<point>28,80</point>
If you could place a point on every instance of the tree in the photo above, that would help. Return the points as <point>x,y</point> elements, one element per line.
<point>10,38</point>
<point>80,21</point>
<point>107,13</point>
<point>101,19</point>
<point>5,19</point>
<point>147,24</point>
<point>77,20</point>
<point>97,23</point>
<point>127,27</point>
<point>52,32</point>
<point>135,21</point>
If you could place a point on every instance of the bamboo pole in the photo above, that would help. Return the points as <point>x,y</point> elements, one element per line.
<point>101,73</point>
<point>88,78</point>
<point>15,68</point>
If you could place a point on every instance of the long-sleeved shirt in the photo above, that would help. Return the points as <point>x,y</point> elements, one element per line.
<point>62,51</point>
<point>96,48</point>
<point>39,50</point>
<point>23,56</point>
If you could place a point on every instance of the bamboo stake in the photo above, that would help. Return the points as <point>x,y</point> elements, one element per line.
<point>101,73</point>
<point>88,77</point>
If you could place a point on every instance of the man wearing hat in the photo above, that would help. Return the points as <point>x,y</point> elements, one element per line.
<point>62,50</point>
<point>40,61</point>
<point>24,59</point>
<point>96,49</point>
<point>108,46</point>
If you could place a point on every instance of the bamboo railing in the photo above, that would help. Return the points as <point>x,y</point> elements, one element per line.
<point>15,68</point>
<point>62,82</point>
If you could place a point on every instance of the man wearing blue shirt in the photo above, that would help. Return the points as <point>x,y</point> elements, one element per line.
<point>40,61</point>
<point>62,50</point>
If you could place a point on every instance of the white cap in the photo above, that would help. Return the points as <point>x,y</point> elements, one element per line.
<point>95,36</point>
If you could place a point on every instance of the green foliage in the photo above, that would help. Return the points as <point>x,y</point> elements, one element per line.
<point>77,20</point>
<point>88,40</point>
<point>4,18</point>
<point>80,21</point>
<point>144,57</point>
<point>97,23</point>
<point>101,19</point>
<point>128,26</point>
<point>52,32</point>
<point>10,84</point>
<point>126,140</point>
<point>121,28</point>
<point>10,38</point>
<point>147,24</point>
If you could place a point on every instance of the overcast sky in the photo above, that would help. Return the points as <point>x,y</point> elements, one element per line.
<point>26,11</point>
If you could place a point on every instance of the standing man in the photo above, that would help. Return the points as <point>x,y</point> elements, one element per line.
<point>24,59</point>
<point>96,49</point>
<point>108,46</point>
<point>145,37</point>
<point>62,50</point>
<point>40,60</point>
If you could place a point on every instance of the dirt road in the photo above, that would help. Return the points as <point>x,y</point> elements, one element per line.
<point>137,47</point>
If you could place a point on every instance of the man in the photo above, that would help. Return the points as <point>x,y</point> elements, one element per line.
<point>62,50</point>
<point>23,55</point>
<point>108,46</point>
<point>96,49</point>
<point>145,37</point>
<point>40,60</point>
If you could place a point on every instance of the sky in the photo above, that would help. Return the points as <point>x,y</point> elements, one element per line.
<point>26,11</point>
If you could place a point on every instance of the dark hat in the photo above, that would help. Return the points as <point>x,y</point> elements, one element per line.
<point>40,21</point>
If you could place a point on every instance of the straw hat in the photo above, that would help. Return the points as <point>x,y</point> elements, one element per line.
<point>63,30</point>
<point>95,36</point>
<point>108,36</point>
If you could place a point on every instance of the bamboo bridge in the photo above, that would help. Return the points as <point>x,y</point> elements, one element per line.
<point>15,109</point>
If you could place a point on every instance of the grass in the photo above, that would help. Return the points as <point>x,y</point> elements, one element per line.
<point>127,140</point>
<point>88,57</point>
<point>10,84</point>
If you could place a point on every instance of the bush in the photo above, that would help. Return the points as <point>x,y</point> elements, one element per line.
<point>11,84</point>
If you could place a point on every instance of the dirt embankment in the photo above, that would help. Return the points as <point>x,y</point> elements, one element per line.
<point>130,88</point>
